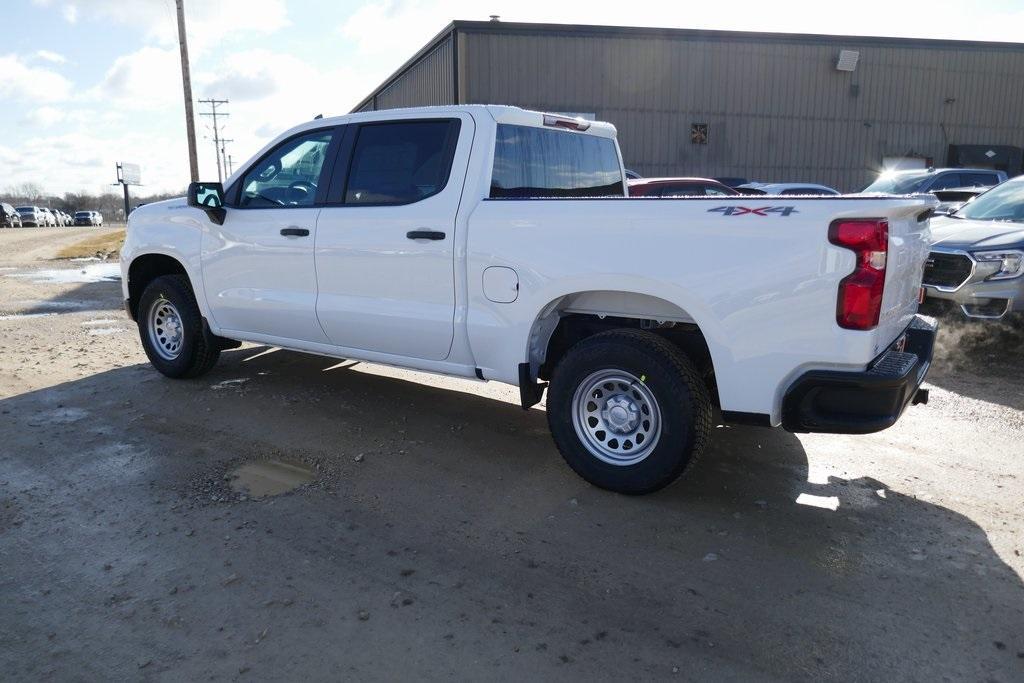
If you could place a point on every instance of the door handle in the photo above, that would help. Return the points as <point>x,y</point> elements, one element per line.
<point>295,232</point>
<point>425,235</point>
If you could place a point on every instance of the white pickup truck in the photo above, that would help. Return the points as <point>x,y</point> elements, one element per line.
<point>498,243</point>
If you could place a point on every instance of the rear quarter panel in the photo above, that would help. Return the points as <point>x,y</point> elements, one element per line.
<point>762,288</point>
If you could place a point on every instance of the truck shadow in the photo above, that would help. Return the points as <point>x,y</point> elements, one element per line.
<point>724,572</point>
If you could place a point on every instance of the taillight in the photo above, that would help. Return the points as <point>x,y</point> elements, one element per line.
<point>860,293</point>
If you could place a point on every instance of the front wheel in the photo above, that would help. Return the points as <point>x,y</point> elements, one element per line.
<point>172,331</point>
<point>628,411</point>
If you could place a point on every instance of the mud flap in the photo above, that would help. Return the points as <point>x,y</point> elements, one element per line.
<point>530,392</point>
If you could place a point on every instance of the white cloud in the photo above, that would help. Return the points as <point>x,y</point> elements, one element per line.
<point>22,82</point>
<point>270,92</point>
<point>45,116</point>
<point>147,79</point>
<point>209,22</point>
<point>50,56</point>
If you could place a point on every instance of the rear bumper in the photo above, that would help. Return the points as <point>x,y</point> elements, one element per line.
<point>863,402</point>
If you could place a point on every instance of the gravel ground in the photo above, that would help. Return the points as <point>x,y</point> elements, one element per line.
<point>442,536</point>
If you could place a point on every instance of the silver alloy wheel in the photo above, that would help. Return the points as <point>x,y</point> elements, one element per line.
<point>166,331</point>
<point>616,417</point>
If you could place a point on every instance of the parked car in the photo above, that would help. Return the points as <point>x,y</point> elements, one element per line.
<point>809,189</point>
<point>97,218</point>
<point>910,182</point>
<point>83,218</point>
<point>977,259</point>
<point>491,247</point>
<point>32,216</point>
<point>678,187</point>
<point>9,216</point>
<point>58,218</point>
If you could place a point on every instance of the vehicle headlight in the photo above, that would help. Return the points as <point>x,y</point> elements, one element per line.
<point>1000,265</point>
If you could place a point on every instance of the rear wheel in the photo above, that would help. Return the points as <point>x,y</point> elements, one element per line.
<point>172,331</point>
<point>628,411</point>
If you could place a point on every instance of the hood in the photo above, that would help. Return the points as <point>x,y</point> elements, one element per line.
<point>959,233</point>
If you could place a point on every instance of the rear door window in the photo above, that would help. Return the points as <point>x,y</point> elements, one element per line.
<point>401,162</point>
<point>979,179</point>
<point>538,162</point>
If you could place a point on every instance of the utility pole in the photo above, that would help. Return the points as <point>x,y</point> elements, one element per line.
<point>224,157</point>
<point>231,165</point>
<point>214,103</point>
<point>186,81</point>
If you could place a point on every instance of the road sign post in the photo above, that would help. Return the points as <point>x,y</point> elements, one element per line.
<point>128,174</point>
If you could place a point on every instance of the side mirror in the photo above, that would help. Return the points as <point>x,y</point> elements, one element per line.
<point>210,198</point>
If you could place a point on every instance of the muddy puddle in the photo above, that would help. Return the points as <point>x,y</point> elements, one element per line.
<point>269,477</point>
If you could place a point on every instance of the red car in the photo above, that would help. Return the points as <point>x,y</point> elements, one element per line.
<point>678,187</point>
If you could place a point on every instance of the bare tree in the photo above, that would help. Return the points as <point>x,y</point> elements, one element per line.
<point>30,192</point>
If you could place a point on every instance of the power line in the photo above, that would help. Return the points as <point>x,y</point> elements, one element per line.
<point>214,103</point>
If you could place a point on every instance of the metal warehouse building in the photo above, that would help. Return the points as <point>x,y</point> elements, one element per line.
<point>764,106</point>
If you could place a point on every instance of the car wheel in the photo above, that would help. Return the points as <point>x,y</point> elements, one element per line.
<point>628,411</point>
<point>171,328</point>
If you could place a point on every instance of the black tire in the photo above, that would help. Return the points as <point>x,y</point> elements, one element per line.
<point>667,373</point>
<point>199,349</point>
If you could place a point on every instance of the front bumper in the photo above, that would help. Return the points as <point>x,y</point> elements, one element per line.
<point>863,402</point>
<point>989,300</point>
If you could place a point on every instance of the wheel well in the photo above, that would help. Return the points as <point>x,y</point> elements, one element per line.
<point>575,327</point>
<point>144,270</point>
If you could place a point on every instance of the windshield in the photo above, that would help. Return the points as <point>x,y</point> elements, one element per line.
<point>25,209</point>
<point>1002,203</point>
<point>897,183</point>
<point>81,214</point>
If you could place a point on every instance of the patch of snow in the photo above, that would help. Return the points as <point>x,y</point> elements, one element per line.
<point>105,330</point>
<point>95,272</point>
<point>17,316</point>
<point>101,321</point>
<point>229,383</point>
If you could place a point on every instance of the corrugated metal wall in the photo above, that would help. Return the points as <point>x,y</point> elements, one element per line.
<point>428,82</point>
<point>777,111</point>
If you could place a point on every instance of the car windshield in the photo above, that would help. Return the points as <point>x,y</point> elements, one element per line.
<point>1002,203</point>
<point>25,209</point>
<point>897,183</point>
<point>81,214</point>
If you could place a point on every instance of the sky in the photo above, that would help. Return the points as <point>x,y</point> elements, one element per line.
<point>87,83</point>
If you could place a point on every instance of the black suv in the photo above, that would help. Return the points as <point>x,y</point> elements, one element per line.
<point>9,218</point>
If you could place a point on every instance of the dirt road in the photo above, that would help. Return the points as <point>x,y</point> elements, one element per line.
<point>442,536</point>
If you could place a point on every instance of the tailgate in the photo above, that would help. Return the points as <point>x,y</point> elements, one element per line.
<point>909,243</point>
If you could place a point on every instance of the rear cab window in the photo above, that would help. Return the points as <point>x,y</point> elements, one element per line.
<point>544,163</point>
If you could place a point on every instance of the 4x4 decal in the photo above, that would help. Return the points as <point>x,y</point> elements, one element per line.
<point>757,211</point>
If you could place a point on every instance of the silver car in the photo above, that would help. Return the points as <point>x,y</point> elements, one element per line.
<point>977,256</point>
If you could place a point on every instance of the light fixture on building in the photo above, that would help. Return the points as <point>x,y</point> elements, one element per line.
<point>847,60</point>
<point>495,17</point>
